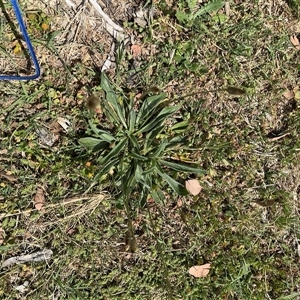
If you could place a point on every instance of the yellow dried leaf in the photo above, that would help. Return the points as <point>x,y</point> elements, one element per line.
<point>39,199</point>
<point>193,186</point>
<point>199,271</point>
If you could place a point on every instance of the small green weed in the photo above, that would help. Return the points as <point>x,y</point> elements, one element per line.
<point>188,12</point>
<point>138,148</point>
<point>38,21</point>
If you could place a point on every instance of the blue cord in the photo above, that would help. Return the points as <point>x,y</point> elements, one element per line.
<point>29,45</point>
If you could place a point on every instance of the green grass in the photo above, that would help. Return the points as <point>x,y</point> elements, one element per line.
<point>245,222</point>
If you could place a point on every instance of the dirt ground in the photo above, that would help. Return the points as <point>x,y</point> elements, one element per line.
<point>78,33</point>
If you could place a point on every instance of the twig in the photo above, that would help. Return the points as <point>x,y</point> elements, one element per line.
<point>105,16</point>
<point>276,138</point>
<point>37,256</point>
<point>112,28</point>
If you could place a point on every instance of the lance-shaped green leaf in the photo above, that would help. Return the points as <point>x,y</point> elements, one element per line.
<point>102,134</point>
<point>107,137</point>
<point>133,140</point>
<point>137,156</point>
<point>159,150</point>
<point>89,142</point>
<point>145,189</point>
<point>128,182</point>
<point>140,177</point>
<point>150,137</point>
<point>128,104</point>
<point>106,168</point>
<point>180,126</point>
<point>114,106</point>
<point>181,167</point>
<point>176,186</point>
<point>148,107</point>
<point>138,171</point>
<point>209,7</point>
<point>110,113</point>
<point>131,120</point>
<point>93,127</point>
<point>176,141</point>
<point>159,119</point>
<point>114,152</point>
<point>158,196</point>
<point>93,143</point>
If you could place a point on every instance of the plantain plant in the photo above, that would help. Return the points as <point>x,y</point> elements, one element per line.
<point>138,147</point>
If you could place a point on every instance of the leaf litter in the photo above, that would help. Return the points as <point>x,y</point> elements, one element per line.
<point>193,187</point>
<point>8,177</point>
<point>39,199</point>
<point>136,50</point>
<point>295,41</point>
<point>199,271</point>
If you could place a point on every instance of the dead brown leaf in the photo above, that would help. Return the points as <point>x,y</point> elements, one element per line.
<point>227,8</point>
<point>288,95</point>
<point>179,203</point>
<point>138,96</point>
<point>46,137</point>
<point>3,151</point>
<point>235,91</point>
<point>199,271</point>
<point>61,122</point>
<point>295,41</point>
<point>39,199</point>
<point>265,203</point>
<point>193,186</point>
<point>8,177</point>
<point>136,50</point>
